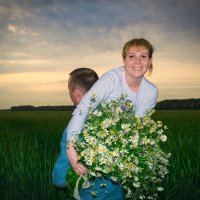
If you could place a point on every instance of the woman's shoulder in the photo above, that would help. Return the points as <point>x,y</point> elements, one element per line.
<point>149,87</point>
<point>149,84</point>
<point>115,72</point>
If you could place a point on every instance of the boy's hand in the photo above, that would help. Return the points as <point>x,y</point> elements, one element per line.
<point>73,158</point>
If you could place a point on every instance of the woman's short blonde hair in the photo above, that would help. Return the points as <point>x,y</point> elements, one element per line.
<point>140,43</point>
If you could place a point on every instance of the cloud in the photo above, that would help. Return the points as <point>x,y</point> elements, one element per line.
<point>62,35</point>
<point>43,40</point>
<point>12,28</point>
<point>59,49</point>
<point>107,13</point>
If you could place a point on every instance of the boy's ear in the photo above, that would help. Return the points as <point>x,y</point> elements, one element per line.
<point>78,94</point>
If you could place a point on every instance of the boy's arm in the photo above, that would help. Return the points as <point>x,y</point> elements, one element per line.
<point>62,164</point>
<point>73,158</point>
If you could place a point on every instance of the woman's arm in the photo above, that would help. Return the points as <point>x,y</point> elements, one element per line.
<point>98,93</point>
<point>147,98</point>
<point>73,158</point>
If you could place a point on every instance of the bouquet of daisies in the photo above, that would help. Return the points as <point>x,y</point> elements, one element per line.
<point>115,144</point>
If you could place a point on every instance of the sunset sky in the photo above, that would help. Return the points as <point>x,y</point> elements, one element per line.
<point>42,41</point>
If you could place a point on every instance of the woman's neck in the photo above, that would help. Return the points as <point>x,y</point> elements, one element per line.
<point>133,83</point>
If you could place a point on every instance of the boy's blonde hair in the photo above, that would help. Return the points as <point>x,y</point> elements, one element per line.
<point>82,78</point>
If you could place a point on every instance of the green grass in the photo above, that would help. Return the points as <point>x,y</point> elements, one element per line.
<point>184,144</point>
<point>29,146</point>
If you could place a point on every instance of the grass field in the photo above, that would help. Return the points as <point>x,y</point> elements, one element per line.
<point>29,146</point>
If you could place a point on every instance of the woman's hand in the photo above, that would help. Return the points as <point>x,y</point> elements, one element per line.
<point>73,158</point>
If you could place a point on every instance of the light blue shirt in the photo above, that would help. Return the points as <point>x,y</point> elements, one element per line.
<point>62,164</point>
<point>110,87</point>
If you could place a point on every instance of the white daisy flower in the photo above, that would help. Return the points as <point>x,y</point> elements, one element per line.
<point>163,138</point>
<point>160,189</point>
<point>126,127</point>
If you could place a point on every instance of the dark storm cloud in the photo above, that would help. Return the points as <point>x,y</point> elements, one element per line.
<point>113,13</point>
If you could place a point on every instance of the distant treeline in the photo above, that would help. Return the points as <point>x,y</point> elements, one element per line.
<point>179,104</point>
<point>173,104</point>
<point>42,108</point>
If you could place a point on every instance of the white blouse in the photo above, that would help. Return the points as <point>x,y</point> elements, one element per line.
<point>110,87</point>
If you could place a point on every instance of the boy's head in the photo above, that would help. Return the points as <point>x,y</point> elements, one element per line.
<point>80,81</point>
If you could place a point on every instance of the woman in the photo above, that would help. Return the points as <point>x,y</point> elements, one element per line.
<point>128,80</point>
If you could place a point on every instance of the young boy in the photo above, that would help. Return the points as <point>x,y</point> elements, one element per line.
<point>80,81</point>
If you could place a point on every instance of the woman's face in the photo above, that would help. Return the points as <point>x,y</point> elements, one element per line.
<point>137,62</point>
